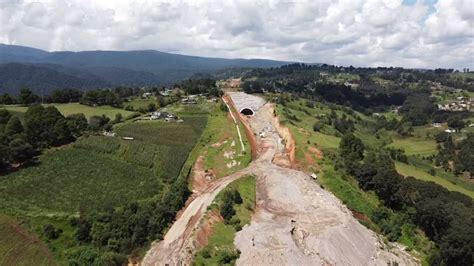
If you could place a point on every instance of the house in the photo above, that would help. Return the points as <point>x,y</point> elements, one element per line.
<point>171,117</point>
<point>189,100</point>
<point>128,138</point>
<point>450,130</point>
<point>436,124</point>
<point>109,134</point>
<point>166,92</point>
<point>147,95</point>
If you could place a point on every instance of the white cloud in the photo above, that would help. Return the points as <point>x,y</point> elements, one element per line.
<point>343,32</point>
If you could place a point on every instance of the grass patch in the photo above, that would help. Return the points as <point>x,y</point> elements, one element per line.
<point>409,170</point>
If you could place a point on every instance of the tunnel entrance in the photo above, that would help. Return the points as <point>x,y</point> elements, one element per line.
<point>247,111</point>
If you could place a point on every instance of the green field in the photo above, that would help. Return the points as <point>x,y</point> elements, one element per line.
<point>138,103</point>
<point>414,146</point>
<point>18,247</point>
<point>221,241</point>
<point>72,178</point>
<point>409,170</point>
<point>74,108</point>
<point>97,173</point>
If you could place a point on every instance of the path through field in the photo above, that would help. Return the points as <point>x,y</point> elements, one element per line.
<point>296,222</point>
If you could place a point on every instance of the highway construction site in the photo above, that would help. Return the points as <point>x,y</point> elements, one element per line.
<point>296,222</point>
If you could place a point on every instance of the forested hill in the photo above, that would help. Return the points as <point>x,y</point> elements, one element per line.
<point>41,78</point>
<point>146,67</point>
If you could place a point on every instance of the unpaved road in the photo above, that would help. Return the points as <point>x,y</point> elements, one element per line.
<point>295,223</point>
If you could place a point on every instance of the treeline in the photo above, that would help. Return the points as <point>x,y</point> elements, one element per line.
<point>112,96</point>
<point>206,86</point>
<point>112,234</point>
<point>306,82</point>
<point>41,128</point>
<point>446,217</point>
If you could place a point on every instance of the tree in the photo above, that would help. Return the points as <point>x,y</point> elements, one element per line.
<point>4,156</point>
<point>13,126</point>
<point>77,124</point>
<point>466,155</point>
<point>97,122</point>
<point>151,107</point>
<point>4,116</point>
<point>26,96</point>
<point>62,132</point>
<point>51,232</point>
<point>20,150</point>
<point>118,118</point>
<point>351,146</point>
<point>6,99</point>
<point>161,100</point>
<point>456,123</point>
<point>227,210</point>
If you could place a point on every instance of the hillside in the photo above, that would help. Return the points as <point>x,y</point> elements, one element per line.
<point>14,76</point>
<point>133,68</point>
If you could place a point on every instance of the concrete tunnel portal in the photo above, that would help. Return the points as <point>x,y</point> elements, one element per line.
<point>247,111</point>
<point>247,104</point>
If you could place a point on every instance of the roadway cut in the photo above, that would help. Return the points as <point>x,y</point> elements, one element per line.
<point>296,222</point>
<point>245,103</point>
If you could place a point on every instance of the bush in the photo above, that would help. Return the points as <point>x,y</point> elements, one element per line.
<point>51,232</point>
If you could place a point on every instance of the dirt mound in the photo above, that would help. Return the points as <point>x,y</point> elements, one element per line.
<point>201,177</point>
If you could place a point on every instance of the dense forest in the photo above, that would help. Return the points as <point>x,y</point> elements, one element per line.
<point>445,216</point>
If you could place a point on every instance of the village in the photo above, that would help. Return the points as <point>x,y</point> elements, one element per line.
<point>460,105</point>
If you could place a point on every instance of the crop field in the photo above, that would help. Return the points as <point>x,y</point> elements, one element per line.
<point>221,241</point>
<point>74,108</point>
<point>98,172</point>
<point>72,178</point>
<point>18,247</point>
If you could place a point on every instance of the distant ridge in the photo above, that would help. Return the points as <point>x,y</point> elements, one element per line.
<point>113,68</point>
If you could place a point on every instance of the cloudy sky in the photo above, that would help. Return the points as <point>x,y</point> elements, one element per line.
<point>409,33</point>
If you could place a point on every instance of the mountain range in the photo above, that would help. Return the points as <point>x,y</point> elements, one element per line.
<point>37,69</point>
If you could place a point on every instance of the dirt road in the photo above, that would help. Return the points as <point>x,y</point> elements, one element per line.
<point>296,222</point>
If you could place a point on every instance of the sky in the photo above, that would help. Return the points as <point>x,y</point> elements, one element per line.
<point>407,33</point>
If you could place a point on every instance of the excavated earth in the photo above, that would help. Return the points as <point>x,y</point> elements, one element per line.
<point>296,222</point>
